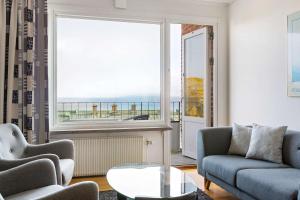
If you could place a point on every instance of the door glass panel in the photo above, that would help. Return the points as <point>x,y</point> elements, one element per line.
<point>194,61</point>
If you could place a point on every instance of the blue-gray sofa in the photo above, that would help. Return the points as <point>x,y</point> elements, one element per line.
<point>249,179</point>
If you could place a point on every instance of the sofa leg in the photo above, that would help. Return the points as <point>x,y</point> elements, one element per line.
<point>206,183</point>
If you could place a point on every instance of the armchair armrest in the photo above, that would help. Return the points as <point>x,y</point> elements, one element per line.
<point>8,164</point>
<point>29,176</point>
<point>212,141</point>
<point>64,149</point>
<point>85,190</point>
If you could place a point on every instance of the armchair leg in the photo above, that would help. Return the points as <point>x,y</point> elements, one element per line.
<point>206,183</point>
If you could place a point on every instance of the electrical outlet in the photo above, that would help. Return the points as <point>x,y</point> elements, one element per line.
<point>148,142</point>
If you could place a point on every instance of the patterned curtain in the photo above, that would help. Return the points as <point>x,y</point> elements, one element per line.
<point>23,67</point>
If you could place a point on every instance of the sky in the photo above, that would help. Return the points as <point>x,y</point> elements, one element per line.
<point>98,59</point>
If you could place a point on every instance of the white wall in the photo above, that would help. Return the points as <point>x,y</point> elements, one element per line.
<point>258,63</point>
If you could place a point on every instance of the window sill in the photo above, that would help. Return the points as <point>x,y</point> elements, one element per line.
<point>57,131</point>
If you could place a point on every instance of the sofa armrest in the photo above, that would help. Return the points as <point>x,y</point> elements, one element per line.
<point>298,197</point>
<point>64,149</point>
<point>212,141</point>
<point>8,164</point>
<point>28,176</point>
<point>85,190</point>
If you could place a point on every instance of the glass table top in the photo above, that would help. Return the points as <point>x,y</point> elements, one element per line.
<point>150,180</point>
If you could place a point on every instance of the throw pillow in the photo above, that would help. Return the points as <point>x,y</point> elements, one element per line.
<point>266,143</point>
<point>240,140</point>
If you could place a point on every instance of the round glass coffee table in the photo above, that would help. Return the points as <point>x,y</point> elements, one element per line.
<point>149,180</point>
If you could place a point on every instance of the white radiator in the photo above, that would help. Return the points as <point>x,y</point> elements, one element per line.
<point>95,156</point>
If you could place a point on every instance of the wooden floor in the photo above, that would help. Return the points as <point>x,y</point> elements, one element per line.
<point>215,192</point>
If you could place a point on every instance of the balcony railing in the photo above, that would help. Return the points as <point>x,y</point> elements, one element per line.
<point>70,111</point>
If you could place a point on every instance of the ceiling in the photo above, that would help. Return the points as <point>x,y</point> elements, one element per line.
<point>221,1</point>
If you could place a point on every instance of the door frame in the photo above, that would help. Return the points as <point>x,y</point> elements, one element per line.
<point>210,21</point>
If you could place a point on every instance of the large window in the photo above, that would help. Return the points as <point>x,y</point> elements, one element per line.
<point>107,70</point>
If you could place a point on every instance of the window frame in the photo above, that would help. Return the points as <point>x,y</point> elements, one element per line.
<point>102,124</point>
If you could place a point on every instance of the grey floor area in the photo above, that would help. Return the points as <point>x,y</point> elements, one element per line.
<point>177,159</point>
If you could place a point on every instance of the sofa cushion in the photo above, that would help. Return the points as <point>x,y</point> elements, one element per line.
<point>35,193</point>
<point>270,184</point>
<point>266,143</point>
<point>240,140</point>
<point>67,169</point>
<point>225,167</point>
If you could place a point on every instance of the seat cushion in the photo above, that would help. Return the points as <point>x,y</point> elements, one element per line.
<point>67,169</point>
<point>225,167</point>
<point>36,193</point>
<point>270,184</point>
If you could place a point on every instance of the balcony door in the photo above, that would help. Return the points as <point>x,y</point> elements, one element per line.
<point>196,92</point>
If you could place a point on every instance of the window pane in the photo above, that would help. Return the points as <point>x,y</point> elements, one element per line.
<point>107,70</point>
<point>194,76</point>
